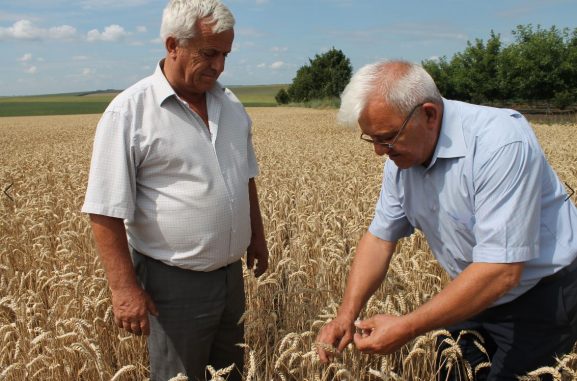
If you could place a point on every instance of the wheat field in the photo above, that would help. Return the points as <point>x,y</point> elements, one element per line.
<point>318,187</point>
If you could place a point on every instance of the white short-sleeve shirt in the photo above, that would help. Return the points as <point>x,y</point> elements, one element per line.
<point>488,195</point>
<point>181,188</point>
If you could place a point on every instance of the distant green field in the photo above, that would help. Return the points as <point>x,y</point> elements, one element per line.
<point>95,103</point>
<point>257,96</point>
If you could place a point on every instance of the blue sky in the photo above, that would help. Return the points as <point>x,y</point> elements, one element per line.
<point>55,46</point>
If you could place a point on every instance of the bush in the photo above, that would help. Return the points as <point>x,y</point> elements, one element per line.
<point>564,99</point>
<point>282,97</point>
<point>325,77</point>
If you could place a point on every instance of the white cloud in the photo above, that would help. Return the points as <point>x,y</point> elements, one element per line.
<point>21,30</point>
<point>26,30</point>
<point>279,49</point>
<point>277,65</point>
<point>25,58</point>
<point>86,72</point>
<point>80,58</point>
<point>141,29</point>
<point>31,70</point>
<point>110,34</point>
<point>274,66</point>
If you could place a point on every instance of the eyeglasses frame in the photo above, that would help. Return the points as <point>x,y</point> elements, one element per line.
<point>389,146</point>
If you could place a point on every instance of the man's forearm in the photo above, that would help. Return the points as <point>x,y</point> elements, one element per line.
<point>368,270</point>
<point>473,291</point>
<point>110,236</point>
<point>255,215</point>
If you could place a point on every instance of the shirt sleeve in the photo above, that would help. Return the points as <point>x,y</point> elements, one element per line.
<point>253,169</point>
<point>111,189</point>
<point>390,222</point>
<point>507,204</point>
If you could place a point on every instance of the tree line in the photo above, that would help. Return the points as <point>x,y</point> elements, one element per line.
<point>540,65</point>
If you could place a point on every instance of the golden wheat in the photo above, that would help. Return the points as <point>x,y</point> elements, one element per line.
<point>318,187</point>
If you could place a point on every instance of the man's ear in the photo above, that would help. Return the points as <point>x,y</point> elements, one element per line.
<point>433,113</point>
<point>171,45</point>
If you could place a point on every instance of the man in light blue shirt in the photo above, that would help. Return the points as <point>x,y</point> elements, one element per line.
<point>475,181</point>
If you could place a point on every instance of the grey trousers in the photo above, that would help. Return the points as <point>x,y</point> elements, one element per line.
<point>198,321</point>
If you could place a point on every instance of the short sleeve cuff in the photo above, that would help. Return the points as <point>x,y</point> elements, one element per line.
<point>504,255</point>
<point>123,213</point>
<point>390,233</point>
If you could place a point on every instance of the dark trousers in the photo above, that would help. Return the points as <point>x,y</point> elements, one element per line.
<point>522,335</point>
<point>198,322</point>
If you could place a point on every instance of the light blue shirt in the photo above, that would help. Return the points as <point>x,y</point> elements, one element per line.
<point>488,195</point>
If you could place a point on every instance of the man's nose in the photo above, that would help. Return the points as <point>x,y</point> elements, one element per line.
<point>217,63</point>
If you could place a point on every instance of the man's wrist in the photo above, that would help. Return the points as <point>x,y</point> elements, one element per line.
<point>347,314</point>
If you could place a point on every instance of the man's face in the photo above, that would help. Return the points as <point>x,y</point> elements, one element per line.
<point>416,142</point>
<point>201,60</point>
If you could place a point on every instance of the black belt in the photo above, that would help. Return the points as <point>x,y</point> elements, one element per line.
<point>560,274</point>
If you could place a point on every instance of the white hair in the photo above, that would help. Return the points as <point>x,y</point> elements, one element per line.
<point>180,16</point>
<point>401,84</point>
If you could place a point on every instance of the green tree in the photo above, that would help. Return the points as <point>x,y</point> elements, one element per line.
<point>325,77</point>
<point>534,67</point>
<point>539,65</point>
<point>568,72</point>
<point>440,70</point>
<point>282,97</point>
<point>474,71</point>
<point>302,87</point>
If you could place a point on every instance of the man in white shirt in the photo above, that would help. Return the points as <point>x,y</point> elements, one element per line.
<point>475,181</point>
<point>173,203</point>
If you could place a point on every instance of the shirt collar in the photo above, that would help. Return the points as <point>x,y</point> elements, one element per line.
<point>160,85</point>
<point>451,142</point>
<point>163,90</point>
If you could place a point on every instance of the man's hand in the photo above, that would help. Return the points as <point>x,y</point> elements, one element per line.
<point>382,334</point>
<point>257,250</point>
<point>336,334</point>
<point>131,307</point>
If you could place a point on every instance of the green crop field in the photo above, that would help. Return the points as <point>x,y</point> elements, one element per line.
<point>60,104</point>
<point>257,96</point>
<point>95,103</point>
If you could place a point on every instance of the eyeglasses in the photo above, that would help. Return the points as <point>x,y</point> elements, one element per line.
<point>370,139</point>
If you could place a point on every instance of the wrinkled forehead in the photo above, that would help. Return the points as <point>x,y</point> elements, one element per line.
<point>378,117</point>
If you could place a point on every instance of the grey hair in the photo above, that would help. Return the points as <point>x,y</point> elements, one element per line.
<point>180,16</point>
<point>401,84</point>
